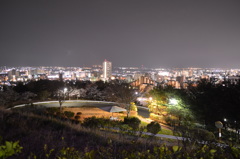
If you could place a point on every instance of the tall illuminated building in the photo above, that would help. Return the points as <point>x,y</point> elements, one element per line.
<point>107,70</point>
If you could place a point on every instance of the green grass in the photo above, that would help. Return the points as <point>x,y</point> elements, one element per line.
<point>143,123</point>
<point>163,131</point>
<point>166,132</point>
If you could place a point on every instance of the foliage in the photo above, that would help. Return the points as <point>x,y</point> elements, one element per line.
<point>133,106</point>
<point>43,95</point>
<point>173,113</point>
<point>61,95</point>
<point>77,117</point>
<point>68,114</point>
<point>91,122</point>
<point>153,127</point>
<point>70,153</point>
<point>133,122</point>
<point>212,102</point>
<point>93,93</point>
<point>194,134</point>
<point>52,110</point>
<point>8,96</point>
<point>155,117</point>
<point>79,113</point>
<point>79,142</point>
<point>9,149</point>
<point>203,135</point>
<point>160,152</point>
<point>166,131</point>
<point>121,92</point>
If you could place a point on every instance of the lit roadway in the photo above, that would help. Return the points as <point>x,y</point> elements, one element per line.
<point>142,111</point>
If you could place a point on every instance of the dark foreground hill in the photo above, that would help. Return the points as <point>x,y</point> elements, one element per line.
<point>44,136</point>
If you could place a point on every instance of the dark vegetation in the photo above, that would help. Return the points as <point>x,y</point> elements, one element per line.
<point>153,127</point>
<point>208,102</point>
<point>34,131</point>
<point>213,102</point>
<point>33,91</point>
<point>202,106</point>
<point>45,136</point>
<point>50,133</point>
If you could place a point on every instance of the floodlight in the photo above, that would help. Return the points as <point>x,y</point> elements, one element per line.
<point>173,101</point>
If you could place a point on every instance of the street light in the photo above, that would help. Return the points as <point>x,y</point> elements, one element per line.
<point>173,101</point>
<point>61,95</point>
<point>64,92</point>
<point>225,122</point>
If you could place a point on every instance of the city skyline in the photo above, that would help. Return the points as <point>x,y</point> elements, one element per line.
<point>156,34</point>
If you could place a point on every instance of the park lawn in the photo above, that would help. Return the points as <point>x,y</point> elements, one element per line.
<point>143,123</point>
<point>163,131</point>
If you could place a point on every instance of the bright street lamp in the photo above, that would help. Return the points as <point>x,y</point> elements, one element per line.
<point>173,101</point>
<point>64,93</point>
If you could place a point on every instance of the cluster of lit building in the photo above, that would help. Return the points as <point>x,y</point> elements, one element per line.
<point>140,77</point>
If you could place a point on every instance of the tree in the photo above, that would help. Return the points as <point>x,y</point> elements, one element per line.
<point>43,95</point>
<point>212,102</point>
<point>61,95</point>
<point>93,93</point>
<point>153,127</point>
<point>121,92</point>
<point>168,103</point>
<point>28,96</point>
<point>133,107</point>
<point>159,101</point>
<point>8,96</point>
<point>73,92</point>
<point>69,114</point>
<point>133,122</point>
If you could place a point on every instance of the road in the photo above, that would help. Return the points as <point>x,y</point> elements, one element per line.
<point>142,111</point>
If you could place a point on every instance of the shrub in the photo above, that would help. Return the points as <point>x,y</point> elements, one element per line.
<point>91,122</point>
<point>153,127</point>
<point>79,113</point>
<point>195,133</point>
<point>133,106</point>
<point>133,122</point>
<point>10,149</point>
<point>69,114</point>
<point>154,117</point>
<point>53,110</point>
<point>77,117</point>
<point>203,135</point>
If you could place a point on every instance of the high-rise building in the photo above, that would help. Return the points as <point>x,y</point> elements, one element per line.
<point>107,70</point>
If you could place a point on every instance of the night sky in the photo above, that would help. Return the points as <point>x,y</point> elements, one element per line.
<point>153,33</point>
